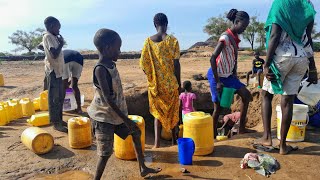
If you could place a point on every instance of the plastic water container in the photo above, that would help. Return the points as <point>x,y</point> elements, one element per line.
<point>27,107</point>
<point>37,140</point>
<point>123,149</point>
<point>298,125</point>
<point>69,103</point>
<point>7,109</point>
<point>36,104</point>
<point>44,100</point>
<point>1,80</point>
<point>186,149</point>
<point>15,108</point>
<point>227,97</point>
<point>199,127</point>
<point>181,131</point>
<point>3,116</point>
<point>79,132</point>
<point>166,135</point>
<point>39,119</point>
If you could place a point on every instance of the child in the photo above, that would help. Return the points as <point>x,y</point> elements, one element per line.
<point>52,44</point>
<point>223,71</point>
<point>72,69</point>
<point>108,108</point>
<point>160,62</point>
<point>187,98</point>
<point>257,69</point>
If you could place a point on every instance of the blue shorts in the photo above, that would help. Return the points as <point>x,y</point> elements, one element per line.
<point>256,70</point>
<point>230,82</point>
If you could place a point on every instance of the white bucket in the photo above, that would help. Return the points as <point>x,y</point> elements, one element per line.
<point>298,125</point>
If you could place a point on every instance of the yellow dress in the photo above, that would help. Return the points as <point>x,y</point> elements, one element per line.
<point>157,61</point>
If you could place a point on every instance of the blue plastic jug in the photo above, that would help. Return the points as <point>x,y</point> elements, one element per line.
<point>186,148</point>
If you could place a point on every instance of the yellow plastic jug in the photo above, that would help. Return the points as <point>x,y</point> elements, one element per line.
<point>15,108</point>
<point>124,148</point>
<point>39,119</point>
<point>181,131</point>
<point>1,80</point>
<point>297,130</point>
<point>166,135</point>
<point>44,100</point>
<point>3,116</point>
<point>199,127</point>
<point>79,132</point>
<point>36,104</point>
<point>27,107</point>
<point>7,109</point>
<point>37,140</point>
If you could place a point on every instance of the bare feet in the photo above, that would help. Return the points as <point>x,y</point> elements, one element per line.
<point>287,149</point>
<point>263,141</point>
<point>145,171</point>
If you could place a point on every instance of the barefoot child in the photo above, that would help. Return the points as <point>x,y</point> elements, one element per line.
<point>160,62</point>
<point>108,108</point>
<point>290,55</point>
<point>257,69</point>
<point>187,98</point>
<point>223,71</point>
<point>52,45</point>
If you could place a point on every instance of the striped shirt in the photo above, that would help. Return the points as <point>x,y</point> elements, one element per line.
<point>226,60</point>
<point>50,41</point>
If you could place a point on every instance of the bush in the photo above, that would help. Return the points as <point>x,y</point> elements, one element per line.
<point>316,46</point>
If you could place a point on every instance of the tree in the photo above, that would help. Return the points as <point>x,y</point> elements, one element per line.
<point>261,35</point>
<point>315,35</point>
<point>254,29</point>
<point>26,40</point>
<point>216,26</point>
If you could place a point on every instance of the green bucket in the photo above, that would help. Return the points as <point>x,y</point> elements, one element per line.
<point>227,97</point>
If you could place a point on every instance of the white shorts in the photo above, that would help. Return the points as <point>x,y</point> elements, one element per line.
<point>72,69</point>
<point>292,70</point>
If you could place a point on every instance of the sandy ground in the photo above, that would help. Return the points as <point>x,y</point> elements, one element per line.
<point>24,79</point>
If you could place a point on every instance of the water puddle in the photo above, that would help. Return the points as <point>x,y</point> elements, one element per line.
<point>69,175</point>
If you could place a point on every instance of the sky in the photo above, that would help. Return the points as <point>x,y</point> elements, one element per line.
<point>132,19</point>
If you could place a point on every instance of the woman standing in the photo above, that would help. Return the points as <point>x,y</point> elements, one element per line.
<point>160,62</point>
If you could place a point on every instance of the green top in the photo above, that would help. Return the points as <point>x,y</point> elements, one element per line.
<point>292,15</point>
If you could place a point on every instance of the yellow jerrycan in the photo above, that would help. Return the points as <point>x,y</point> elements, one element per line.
<point>79,132</point>
<point>124,149</point>
<point>36,104</point>
<point>37,140</point>
<point>199,126</point>
<point>16,108</point>
<point>44,100</point>
<point>7,109</point>
<point>27,107</point>
<point>1,80</point>
<point>39,119</point>
<point>3,116</point>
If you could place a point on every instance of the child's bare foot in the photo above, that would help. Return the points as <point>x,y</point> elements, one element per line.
<point>263,141</point>
<point>287,149</point>
<point>145,171</point>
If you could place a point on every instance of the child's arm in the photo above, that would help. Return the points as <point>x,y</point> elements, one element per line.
<point>54,50</point>
<point>193,98</point>
<point>214,56</point>
<point>100,74</point>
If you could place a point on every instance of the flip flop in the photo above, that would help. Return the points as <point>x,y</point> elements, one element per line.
<point>290,149</point>
<point>263,148</point>
<point>154,171</point>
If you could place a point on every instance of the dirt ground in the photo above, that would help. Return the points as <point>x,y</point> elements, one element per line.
<point>25,79</point>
